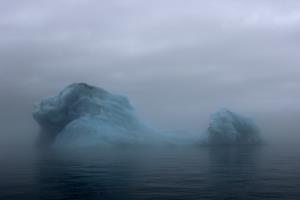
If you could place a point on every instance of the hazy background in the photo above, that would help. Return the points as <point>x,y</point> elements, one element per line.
<point>177,61</point>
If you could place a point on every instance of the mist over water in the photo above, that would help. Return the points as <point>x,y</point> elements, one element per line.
<point>166,171</point>
<point>178,62</point>
<point>185,172</point>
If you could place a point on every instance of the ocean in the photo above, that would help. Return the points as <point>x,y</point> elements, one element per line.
<point>250,172</point>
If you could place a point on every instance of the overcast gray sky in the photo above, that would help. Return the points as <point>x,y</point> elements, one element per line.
<point>177,60</point>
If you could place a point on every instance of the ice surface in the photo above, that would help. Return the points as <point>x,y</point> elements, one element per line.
<point>227,127</point>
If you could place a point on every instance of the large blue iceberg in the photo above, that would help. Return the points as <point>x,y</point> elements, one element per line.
<point>84,115</point>
<point>229,128</point>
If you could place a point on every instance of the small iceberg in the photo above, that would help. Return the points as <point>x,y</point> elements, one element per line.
<point>229,128</point>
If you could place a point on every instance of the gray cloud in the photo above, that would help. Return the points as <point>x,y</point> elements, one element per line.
<point>177,60</point>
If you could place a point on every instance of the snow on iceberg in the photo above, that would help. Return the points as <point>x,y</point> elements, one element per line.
<point>87,115</point>
<point>229,128</point>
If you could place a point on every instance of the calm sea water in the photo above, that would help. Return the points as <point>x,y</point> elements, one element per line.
<point>268,172</point>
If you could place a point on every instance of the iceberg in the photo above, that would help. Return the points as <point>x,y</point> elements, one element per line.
<point>229,128</point>
<point>85,115</point>
<point>82,114</point>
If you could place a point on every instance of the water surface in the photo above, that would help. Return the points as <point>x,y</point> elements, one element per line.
<point>267,172</point>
